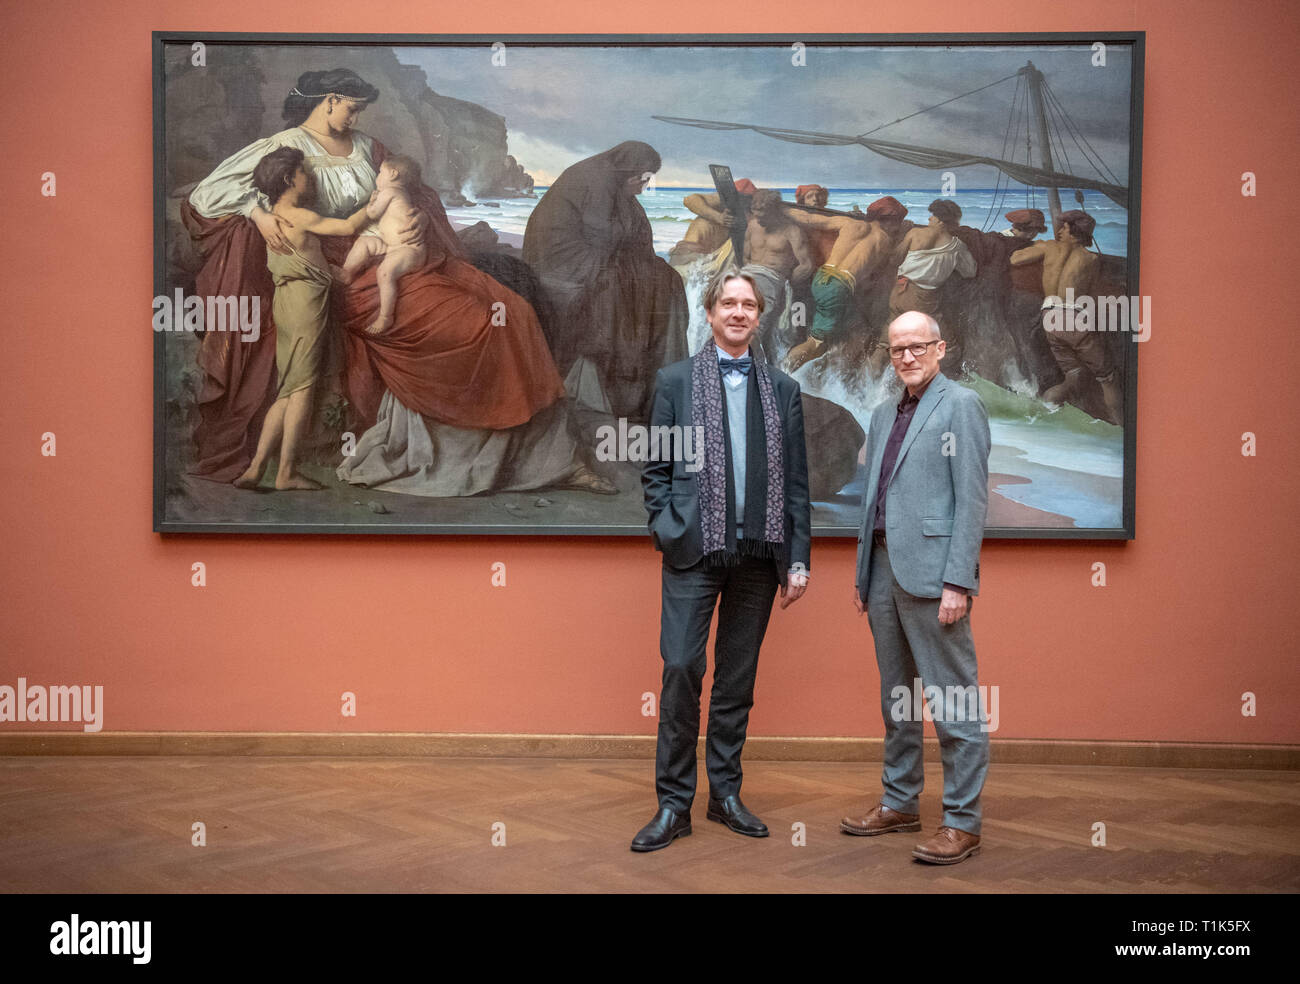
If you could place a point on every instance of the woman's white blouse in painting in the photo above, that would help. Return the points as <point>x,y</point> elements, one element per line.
<point>343,184</point>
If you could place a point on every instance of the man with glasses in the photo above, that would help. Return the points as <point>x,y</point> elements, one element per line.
<point>917,573</point>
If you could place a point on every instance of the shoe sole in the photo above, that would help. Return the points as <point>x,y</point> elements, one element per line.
<point>719,818</point>
<point>660,847</point>
<point>930,859</point>
<point>898,829</point>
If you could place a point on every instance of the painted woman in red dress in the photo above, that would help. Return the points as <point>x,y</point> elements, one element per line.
<point>460,396</point>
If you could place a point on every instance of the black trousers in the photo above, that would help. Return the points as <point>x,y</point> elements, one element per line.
<point>689,598</point>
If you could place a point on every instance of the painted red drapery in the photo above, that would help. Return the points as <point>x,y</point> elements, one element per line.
<point>463,349</point>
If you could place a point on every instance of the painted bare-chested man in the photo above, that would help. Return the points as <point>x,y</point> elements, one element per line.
<point>861,246</point>
<point>710,229</point>
<point>776,255</point>
<point>926,257</point>
<point>1068,265</point>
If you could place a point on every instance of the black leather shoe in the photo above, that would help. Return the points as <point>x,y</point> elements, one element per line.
<point>733,813</point>
<point>665,828</point>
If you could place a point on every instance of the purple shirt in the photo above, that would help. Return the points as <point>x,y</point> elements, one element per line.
<point>906,410</point>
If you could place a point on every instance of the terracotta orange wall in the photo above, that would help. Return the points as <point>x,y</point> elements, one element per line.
<point>1199,609</point>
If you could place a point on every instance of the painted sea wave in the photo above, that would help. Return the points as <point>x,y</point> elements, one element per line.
<point>981,209</point>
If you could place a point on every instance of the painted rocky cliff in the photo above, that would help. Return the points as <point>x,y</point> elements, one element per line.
<point>236,97</point>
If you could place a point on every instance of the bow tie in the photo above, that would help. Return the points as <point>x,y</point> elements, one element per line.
<point>740,365</point>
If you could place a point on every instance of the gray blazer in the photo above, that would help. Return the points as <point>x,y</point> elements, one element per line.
<point>937,502</point>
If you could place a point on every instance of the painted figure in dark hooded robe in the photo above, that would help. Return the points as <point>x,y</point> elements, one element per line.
<point>614,302</point>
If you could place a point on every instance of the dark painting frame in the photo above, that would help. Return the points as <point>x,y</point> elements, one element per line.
<point>519,521</point>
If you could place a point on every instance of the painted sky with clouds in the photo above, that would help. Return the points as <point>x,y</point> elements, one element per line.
<point>562,105</point>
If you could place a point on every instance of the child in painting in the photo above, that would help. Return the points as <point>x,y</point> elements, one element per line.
<point>390,211</point>
<point>300,307</point>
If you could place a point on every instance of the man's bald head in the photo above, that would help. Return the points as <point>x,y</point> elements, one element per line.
<point>918,320</point>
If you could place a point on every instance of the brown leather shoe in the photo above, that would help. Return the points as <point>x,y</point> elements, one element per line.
<point>881,820</point>
<point>948,846</point>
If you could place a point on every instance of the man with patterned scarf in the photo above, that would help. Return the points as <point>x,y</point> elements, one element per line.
<point>729,510</point>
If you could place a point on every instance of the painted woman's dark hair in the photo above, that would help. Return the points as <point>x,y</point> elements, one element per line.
<point>313,87</point>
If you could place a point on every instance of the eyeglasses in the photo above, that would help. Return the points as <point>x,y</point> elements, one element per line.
<point>917,349</point>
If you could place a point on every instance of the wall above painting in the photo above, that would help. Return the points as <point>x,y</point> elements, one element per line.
<point>415,284</point>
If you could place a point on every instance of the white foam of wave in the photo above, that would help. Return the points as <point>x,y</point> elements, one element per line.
<point>504,215</point>
<point>667,213</point>
<point>1062,447</point>
<point>857,395</point>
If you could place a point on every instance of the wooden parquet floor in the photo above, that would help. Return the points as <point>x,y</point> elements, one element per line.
<point>90,825</point>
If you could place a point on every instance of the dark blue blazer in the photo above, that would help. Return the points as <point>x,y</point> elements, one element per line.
<point>672,491</point>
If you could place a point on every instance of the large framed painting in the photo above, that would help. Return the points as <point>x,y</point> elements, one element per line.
<point>424,284</point>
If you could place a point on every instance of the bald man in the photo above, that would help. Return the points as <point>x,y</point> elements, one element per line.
<point>918,571</point>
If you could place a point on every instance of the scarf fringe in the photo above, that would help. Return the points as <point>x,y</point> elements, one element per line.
<point>745,548</point>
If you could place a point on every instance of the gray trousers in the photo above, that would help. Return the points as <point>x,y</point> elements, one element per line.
<point>911,643</point>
